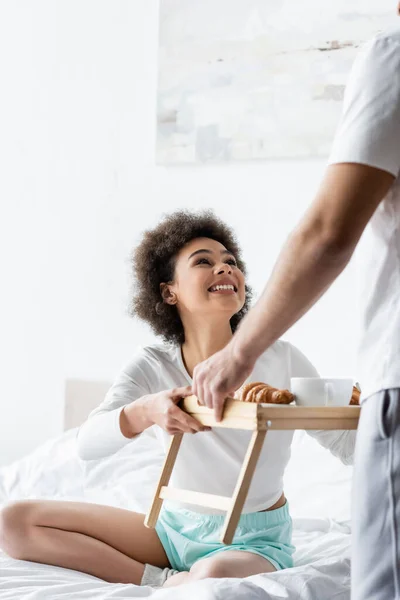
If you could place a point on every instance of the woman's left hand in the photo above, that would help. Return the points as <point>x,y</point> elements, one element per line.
<point>219,377</point>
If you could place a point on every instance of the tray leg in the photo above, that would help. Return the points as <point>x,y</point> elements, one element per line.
<point>169,462</point>
<point>242,485</point>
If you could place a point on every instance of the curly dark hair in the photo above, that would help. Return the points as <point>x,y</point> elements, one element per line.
<point>153,263</point>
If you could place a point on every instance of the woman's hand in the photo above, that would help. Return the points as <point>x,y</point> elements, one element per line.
<point>161,409</point>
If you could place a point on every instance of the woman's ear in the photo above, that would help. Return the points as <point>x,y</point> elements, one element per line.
<point>168,296</point>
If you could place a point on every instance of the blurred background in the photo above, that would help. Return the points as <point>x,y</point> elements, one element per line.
<point>79,184</point>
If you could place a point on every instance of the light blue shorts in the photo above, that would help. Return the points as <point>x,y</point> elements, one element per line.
<point>189,536</point>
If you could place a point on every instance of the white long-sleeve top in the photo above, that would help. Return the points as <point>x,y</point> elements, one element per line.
<point>209,461</point>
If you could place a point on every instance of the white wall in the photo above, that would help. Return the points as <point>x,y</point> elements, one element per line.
<point>78,185</point>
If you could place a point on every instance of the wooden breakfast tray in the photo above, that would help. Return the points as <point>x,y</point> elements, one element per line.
<point>258,418</point>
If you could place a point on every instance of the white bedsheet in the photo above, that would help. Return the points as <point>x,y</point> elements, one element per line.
<point>127,479</point>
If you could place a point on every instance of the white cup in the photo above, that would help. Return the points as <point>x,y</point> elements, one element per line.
<point>322,391</point>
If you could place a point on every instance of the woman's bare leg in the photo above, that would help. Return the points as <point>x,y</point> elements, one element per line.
<point>230,563</point>
<point>110,543</point>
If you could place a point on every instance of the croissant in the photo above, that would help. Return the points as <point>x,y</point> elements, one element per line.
<point>262,392</point>
<point>355,398</point>
<point>266,394</point>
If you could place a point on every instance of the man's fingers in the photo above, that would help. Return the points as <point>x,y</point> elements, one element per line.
<point>200,397</point>
<point>199,393</point>
<point>209,392</point>
<point>196,385</point>
<point>206,396</point>
<point>219,402</point>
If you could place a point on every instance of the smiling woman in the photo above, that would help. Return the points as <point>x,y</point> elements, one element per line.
<point>190,288</point>
<point>177,268</point>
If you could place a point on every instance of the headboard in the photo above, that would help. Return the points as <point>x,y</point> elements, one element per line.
<point>81,397</point>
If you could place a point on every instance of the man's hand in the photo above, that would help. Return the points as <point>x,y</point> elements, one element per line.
<point>219,377</point>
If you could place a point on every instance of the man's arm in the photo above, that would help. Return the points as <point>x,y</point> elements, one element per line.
<point>365,160</point>
<point>314,255</point>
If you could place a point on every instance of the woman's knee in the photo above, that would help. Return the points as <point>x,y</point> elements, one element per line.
<point>16,523</point>
<point>209,568</point>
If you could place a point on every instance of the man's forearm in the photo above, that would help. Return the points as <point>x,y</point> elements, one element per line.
<point>306,267</point>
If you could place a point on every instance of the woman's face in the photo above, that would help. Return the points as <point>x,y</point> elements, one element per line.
<point>207,281</point>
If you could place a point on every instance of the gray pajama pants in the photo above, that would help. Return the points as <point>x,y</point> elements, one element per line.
<point>376,500</point>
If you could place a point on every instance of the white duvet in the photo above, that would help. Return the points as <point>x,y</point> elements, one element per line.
<point>317,485</point>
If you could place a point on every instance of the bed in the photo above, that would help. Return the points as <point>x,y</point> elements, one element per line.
<point>317,485</point>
